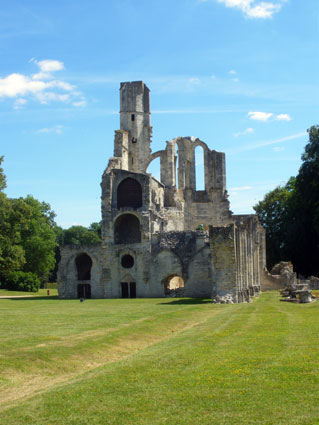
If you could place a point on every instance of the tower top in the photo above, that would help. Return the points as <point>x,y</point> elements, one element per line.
<point>134,97</point>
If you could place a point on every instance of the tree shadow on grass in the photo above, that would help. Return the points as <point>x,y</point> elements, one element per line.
<point>189,301</point>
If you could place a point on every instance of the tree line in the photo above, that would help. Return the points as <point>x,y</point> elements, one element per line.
<point>30,240</point>
<point>290,215</point>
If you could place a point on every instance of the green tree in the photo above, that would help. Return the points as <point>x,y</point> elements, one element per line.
<point>3,183</point>
<point>274,212</point>
<point>97,228</point>
<point>38,239</point>
<point>305,232</point>
<point>13,217</point>
<point>290,214</point>
<point>80,235</point>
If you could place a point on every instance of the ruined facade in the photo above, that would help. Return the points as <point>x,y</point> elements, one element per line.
<point>164,238</point>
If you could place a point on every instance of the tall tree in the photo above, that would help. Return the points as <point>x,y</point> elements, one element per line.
<point>274,213</point>
<point>3,183</point>
<point>306,208</point>
<point>290,214</point>
<point>38,239</point>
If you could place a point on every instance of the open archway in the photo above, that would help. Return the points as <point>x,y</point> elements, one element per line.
<point>127,229</point>
<point>174,286</point>
<point>129,194</point>
<point>83,264</point>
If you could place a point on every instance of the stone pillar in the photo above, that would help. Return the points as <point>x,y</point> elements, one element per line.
<point>223,260</point>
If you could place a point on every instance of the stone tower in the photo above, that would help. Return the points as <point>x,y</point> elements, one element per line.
<point>135,120</point>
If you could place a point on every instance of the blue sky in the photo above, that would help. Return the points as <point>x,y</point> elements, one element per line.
<point>242,75</point>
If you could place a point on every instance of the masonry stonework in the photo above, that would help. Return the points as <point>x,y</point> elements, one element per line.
<point>164,238</point>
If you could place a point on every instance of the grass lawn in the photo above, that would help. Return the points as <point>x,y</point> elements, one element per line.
<point>158,361</point>
<point>40,293</point>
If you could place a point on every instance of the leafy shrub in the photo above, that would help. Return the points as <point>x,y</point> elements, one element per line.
<point>23,281</point>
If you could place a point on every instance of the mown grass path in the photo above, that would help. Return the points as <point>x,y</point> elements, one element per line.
<point>158,361</point>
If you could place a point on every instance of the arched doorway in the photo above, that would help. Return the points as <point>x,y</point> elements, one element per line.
<point>174,286</point>
<point>129,194</point>
<point>127,229</point>
<point>83,265</point>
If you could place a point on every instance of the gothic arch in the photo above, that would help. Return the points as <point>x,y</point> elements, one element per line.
<point>129,194</point>
<point>127,229</point>
<point>84,265</point>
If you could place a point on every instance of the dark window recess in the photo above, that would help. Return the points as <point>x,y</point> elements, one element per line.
<point>129,194</point>
<point>134,140</point>
<point>128,289</point>
<point>84,290</point>
<point>127,229</point>
<point>127,261</point>
<point>133,117</point>
<point>83,264</point>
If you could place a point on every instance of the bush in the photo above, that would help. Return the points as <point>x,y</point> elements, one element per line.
<point>23,281</point>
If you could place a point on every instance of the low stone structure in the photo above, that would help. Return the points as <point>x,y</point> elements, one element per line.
<point>164,238</point>
<point>281,276</point>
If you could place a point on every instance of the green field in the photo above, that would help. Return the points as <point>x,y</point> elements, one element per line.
<point>158,361</point>
<point>40,293</point>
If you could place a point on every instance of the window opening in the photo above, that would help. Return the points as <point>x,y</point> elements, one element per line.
<point>134,140</point>
<point>83,264</point>
<point>133,117</point>
<point>127,229</point>
<point>129,194</point>
<point>127,261</point>
<point>199,168</point>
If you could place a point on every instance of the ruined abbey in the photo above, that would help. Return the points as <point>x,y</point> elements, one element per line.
<point>164,238</point>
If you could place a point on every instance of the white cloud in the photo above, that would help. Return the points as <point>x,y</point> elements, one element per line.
<point>260,116</point>
<point>244,132</point>
<point>79,103</point>
<point>232,72</point>
<point>56,129</point>
<point>265,116</point>
<point>283,117</point>
<point>48,65</point>
<point>19,103</point>
<point>42,86</point>
<point>254,9</point>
